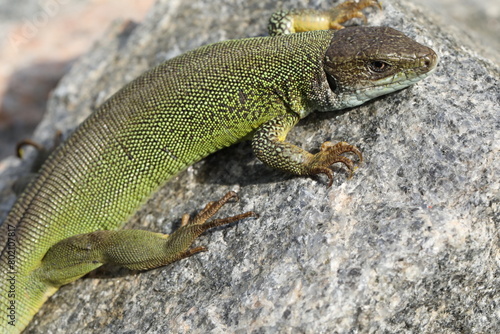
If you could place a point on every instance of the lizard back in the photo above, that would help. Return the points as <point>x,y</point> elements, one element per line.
<point>170,117</point>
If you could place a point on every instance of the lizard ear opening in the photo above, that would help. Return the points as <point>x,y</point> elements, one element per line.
<point>332,82</point>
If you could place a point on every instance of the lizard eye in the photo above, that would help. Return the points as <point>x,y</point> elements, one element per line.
<point>378,66</point>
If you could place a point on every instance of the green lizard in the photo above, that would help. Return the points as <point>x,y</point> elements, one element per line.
<point>65,223</point>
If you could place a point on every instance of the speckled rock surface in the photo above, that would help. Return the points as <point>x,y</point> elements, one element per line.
<point>410,244</point>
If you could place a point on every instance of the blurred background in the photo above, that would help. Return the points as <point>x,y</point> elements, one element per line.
<point>39,40</point>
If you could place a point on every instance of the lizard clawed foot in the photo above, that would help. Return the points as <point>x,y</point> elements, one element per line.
<point>180,240</point>
<point>299,20</point>
<point>191,228</point>
<point>211,209</point>
<point>329,154</point>
<point>349,10</point>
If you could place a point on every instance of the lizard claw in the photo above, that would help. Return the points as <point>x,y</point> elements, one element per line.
<point>329,154</point>
<point>211,209</point>
<point>349,10</point>
<point>299,20</point>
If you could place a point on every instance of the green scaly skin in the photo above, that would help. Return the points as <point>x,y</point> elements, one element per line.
<point>64,224</point>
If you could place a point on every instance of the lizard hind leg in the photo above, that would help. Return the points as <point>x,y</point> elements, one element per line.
<point>42,153</point>
<point>142,250</point>
<point>76,256</point>
<point>191,228</point>
<point>176,246</point>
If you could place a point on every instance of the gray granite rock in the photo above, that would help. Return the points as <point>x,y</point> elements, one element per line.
<point>410,244</point>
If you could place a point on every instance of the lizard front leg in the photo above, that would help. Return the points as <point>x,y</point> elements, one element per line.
<point>269,146</point>
<point>300,20</point>
<point>74,257</point>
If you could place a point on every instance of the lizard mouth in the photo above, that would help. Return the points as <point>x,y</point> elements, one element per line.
<point>393,83</point>
<point>398,81</point>
<point>424,66</point>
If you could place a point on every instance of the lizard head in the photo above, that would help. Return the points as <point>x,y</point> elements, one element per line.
<point>365,62</point>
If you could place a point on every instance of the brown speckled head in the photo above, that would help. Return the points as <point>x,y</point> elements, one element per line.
<point>365,62</point>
